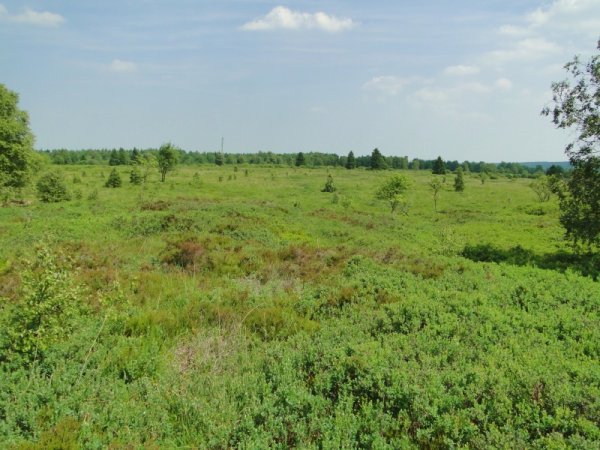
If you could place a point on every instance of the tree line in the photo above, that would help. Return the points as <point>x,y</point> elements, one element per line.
<point>121,156</point>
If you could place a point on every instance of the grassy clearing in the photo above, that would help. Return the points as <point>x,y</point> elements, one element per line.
<point>220,309</point>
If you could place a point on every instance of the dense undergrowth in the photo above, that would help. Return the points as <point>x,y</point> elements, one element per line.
<point>259,312</point>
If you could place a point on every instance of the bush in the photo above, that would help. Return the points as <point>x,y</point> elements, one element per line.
<point>329,186</point>
<point>114,179</point>
<point>45,314</point>
<point>135,176</point>
<point>51,189</point>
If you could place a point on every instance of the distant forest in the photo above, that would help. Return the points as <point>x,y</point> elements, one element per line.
<point>115,157</point>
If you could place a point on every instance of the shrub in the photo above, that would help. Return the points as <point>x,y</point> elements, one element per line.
<point>329,186</point>
<point>45,314</point>
<point>135,176</point>
<point>392,190</point>
<point>114,179</point>
<point>51,188</point>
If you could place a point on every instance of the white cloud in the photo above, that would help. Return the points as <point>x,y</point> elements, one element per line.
<point>387,84</point>
<point>461,70</point>
<point>43,18</point>
<point>562,9</point>
<point>120,66</point>
<point>514,31</point>
<point>3,10</point>
<point>282,18</point>
<point>531,48</point>
<point>504,84</point>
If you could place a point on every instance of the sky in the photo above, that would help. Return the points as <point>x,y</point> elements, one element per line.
<point>464,79</point>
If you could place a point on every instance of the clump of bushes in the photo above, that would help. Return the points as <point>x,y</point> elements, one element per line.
<point>52,189</point>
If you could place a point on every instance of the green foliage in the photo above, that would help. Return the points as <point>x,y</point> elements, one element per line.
<point>392,191</point>
<point>219,159</point>
<point>300,160</point>
<point>51,188</point>
<point>580,204</point>
<point>17,158</point>
<point>436,184</point>
<point>114,179</point>
<point>377,160</point>
<point>166,159</point>
<point>135,176</point>
<point>329,186</point>
<point>439,166</point>
<point>350,161</point>
<point>576,106</point>
<point>225,317</point>
<point>459,180</point>
<point>44,316</point>
<point>542,188</point>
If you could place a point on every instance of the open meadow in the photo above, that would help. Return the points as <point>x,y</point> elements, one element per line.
<point>242,307</point>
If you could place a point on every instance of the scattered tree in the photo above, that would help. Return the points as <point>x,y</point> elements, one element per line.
<point>459,180</point>
<point>114,179</point>
<point>136,156</point>
<point>351,161</point>
<point>219,159</point>
<point>555,170</point>
<point>114,158</point>
<point>439,166</point>
<point>52,189</point>
<point>135,176</point>
<point>17,158</point>
<point>329,186</point>
<point>300,160</point>
<point>392,191</point>
<point>576,105</point>
<point>377,160</point>
<point>542,188</point>
<point>436,185</point>
<point>167,159</point>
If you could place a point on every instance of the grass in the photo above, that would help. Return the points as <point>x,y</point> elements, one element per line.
<point>258,312</point>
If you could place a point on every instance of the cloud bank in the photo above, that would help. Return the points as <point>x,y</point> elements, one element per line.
<point>282,18</point>
<point>32,17</point>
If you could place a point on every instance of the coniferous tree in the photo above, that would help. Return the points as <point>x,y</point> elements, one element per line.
<point>377,160</point>
<point>300,160</point>
<point>351,161</point>
<point>114,158</point>
<point>219,159</point>
<point>114,179</point>
<point>136,156</point>
<point>439,167</point>
<point>459,181</point>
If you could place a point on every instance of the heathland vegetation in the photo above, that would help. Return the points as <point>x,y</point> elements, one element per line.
<point>152,300</point>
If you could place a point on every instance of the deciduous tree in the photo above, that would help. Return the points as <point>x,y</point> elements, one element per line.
<point>576,106</point>
<point>17,158</point>
<point>167,159</point>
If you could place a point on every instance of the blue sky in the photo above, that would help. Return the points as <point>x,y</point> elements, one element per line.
<point>464,79</point>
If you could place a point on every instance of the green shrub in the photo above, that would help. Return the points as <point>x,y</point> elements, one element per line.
<point>45,314</point>
<point>51,189</point>
<point>135,176</point>
<point>329,186</point>
<point>114,179</point>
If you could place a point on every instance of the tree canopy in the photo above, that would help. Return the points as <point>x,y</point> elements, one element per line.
<point>16,142</point>
<point>576,106</point>
<point>167,159</point>
<point>377,160</point>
